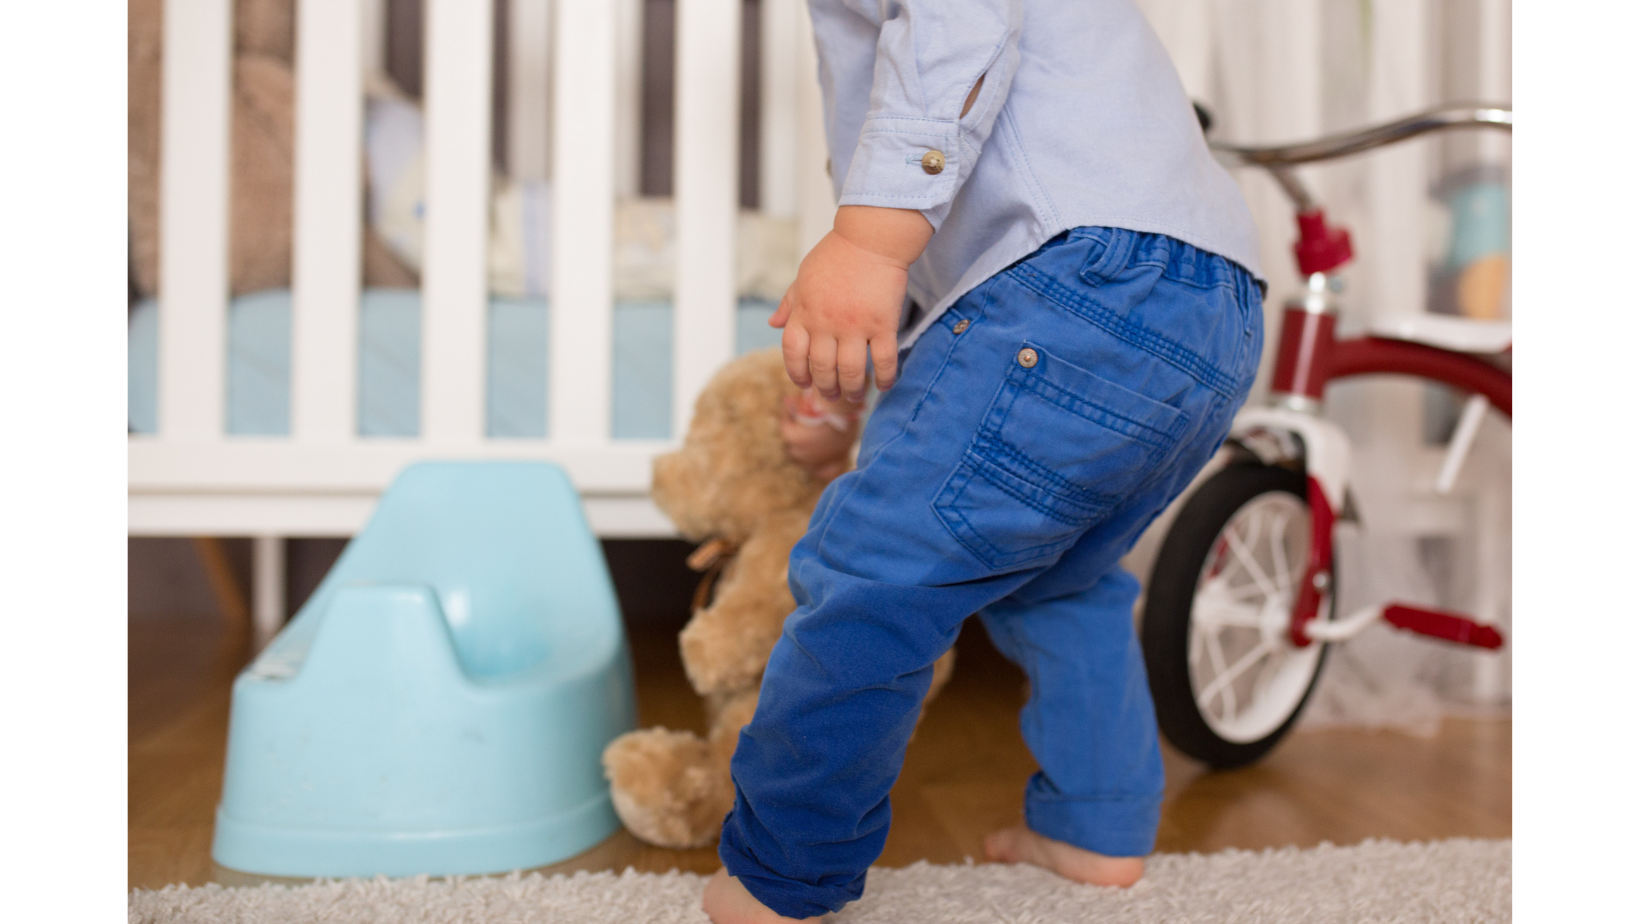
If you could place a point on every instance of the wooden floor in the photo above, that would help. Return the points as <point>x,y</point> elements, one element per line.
<point>964,773</point>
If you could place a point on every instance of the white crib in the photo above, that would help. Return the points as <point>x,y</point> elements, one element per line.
<point>192,479</point>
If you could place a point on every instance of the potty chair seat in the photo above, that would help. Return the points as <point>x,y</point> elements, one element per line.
<point>440,703</point>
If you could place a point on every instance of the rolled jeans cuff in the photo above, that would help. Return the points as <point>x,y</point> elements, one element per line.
<point>1116,826</point>
<point>784,897</point>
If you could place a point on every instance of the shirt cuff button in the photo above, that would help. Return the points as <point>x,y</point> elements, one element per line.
<point>933,162</point>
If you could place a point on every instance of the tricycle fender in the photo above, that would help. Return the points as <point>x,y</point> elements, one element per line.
<point>1282,435</point>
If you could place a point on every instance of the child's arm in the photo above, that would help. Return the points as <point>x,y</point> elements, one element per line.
<point>847,296</point>
<point>942,69</point>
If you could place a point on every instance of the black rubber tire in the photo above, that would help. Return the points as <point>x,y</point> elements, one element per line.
<point>1165,628</point>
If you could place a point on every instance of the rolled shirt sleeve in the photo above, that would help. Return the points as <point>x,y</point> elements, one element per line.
<point>916,148</point>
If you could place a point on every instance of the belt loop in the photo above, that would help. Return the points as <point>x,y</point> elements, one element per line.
<point>1118,250</point>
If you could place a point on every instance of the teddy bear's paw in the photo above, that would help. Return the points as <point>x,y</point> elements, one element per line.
<point>730,713</point>
<point>666,787</point>
<point>724,655</point>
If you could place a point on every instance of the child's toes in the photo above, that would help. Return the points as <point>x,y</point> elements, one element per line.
<point>1003,846</point>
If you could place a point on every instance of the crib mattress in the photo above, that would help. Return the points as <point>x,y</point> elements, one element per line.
<point>389,387</point>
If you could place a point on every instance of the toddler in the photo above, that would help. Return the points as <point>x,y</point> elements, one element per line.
<point>1053,285</point>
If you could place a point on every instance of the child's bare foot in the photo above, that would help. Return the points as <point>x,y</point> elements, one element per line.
<point>1020,844</point>
<point>728,902</point>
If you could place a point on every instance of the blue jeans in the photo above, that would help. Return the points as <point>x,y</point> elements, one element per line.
<point>1037,428</point>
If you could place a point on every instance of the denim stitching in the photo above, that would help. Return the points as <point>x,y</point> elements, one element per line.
<point>1094,508</point>
<point>968,470</point>
<point>1188,362</point>
<point>971,540</point>
<point>1076,404</point>
<point>984,293</point>
<point>990,554</point>
<point>911,418</point>
<point>1173,267</point>
<point>1208,286</point>
<point>1071,492</point>
<point>1117,251</point>
<point>1029,501</point>
<point>962,530</point>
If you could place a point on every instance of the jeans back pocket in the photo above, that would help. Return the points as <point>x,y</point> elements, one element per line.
<point>1058,449</point>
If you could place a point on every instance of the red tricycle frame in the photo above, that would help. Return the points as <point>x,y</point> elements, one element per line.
<point>1309,357</point>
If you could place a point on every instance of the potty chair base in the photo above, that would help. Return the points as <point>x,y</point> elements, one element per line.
<point>440,705</point>
<point>271,851</point>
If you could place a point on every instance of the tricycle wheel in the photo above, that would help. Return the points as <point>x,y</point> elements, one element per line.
<point>1227,680</point>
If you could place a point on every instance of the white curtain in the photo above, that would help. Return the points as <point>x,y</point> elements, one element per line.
<point>1285,70</point>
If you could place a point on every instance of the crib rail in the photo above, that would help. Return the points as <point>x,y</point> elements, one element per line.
<point>192,478</point>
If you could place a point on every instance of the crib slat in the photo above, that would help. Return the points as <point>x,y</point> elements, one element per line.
<point>529,126</point>
<point>777,106</point>
<point>454,279</point>
<point>583,216</point>
<point>325,253</point>
<point>628,94</point>
<point>197,78</point>
<point>705,188</point>
<point>373,43</point>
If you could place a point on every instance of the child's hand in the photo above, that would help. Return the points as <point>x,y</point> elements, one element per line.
<point>818,433</point>
<point>847,297</point>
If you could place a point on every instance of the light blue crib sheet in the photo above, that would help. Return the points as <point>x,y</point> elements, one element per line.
<point>390,364</point>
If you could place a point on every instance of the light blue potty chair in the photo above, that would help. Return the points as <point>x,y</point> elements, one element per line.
<point>441,703</point>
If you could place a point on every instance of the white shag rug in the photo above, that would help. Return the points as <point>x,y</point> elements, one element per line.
<point>1453,882</point>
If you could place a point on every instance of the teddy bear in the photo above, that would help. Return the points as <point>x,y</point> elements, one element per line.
<point>261,147</point>
<point>733,488</point>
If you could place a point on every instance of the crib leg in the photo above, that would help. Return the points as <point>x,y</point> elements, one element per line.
<point>268,586</point>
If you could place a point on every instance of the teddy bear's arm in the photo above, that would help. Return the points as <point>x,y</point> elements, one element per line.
<point>726,645</point>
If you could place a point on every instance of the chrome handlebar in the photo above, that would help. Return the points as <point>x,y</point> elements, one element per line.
<point>1280,159</point>
<point>1440,118</point>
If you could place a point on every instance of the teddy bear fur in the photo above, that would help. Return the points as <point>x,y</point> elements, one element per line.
<point>731,481</point>
<point>262,139</point>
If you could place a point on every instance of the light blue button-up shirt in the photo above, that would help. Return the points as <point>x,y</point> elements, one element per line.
<point>1081,121</point>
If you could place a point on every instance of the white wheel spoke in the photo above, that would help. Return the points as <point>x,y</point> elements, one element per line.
<point>1278,554</point>
<point>1221,681</point>
<point>1231,565</point>
<point>1218,613</point>
<point>1249,563</point>
<point>1266,674</point>
<point>1243,593</point>
<point>1215,653</point>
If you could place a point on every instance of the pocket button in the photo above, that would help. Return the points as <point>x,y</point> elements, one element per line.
<point>1027,357</point>
<point>962,325</point>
